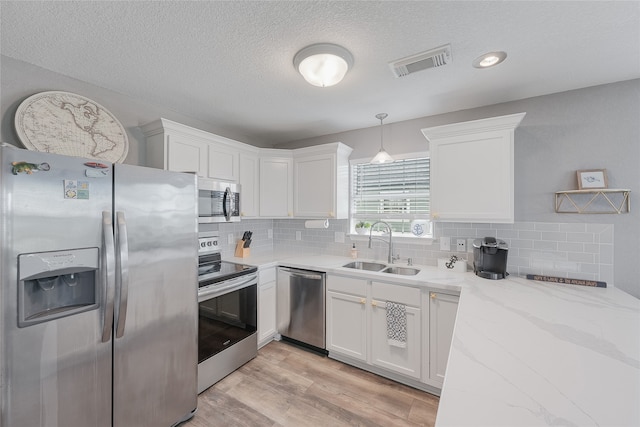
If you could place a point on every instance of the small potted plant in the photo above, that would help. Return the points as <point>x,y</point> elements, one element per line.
<point>362,227</point>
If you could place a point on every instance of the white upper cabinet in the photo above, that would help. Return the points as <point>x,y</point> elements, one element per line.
<point>276,184</point>
<point>310,182</point>
<point>176,147</point>
<point>248,179</point>
<point>472,170</point>
<point>172,146</point>
<point>321,181</point>
<point>223,162</point>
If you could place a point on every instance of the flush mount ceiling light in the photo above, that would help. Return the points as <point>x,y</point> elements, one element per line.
<point>323,64</point>
<point>382,156</point>
<point>489,59</point>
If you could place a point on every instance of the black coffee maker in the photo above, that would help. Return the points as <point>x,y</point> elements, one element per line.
<point>490,258</point>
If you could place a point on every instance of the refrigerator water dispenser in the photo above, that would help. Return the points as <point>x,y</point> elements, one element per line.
<point>56,284</point>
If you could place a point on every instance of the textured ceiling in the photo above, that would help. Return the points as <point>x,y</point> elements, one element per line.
<point>229,63</point>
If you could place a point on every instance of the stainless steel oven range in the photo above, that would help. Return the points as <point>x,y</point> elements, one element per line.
<point>227,313</point>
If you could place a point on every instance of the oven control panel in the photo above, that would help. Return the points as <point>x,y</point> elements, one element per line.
<point>208,243</point>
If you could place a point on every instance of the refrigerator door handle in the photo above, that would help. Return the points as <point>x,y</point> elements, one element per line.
<point>108,274</point>
<point>122,276</point>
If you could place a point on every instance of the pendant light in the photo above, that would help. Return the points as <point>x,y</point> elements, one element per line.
<point>382,156</point>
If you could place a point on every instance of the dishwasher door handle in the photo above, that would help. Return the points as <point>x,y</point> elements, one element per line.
<point>300,275</point>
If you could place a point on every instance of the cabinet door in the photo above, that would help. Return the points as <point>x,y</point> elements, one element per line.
<point>347,325</point>
<point>186,155</point>
<point>403,360</point>
<point>315,186</point>
<point>248,185</point>
<point>276,187</point>
<point>472,170</point>
<point>223,163</point>
<point>266,312</point>
<point>442,318</point>
<point>472,178</point>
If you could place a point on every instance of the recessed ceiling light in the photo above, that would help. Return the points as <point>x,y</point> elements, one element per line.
<point>489,59</point>
<point>323,64</point>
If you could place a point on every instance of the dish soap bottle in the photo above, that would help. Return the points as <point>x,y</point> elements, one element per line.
<point>354,252</point>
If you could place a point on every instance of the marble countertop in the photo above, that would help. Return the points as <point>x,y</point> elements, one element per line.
<point>527,353</point>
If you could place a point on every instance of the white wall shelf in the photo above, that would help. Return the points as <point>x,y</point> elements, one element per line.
<point>601,201</point>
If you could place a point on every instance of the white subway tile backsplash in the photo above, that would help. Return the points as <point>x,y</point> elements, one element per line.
<point>577,250</point>
<point>573,227</point>
<point>545,245</point>
<point>531,235</point>
<point>546,226</point>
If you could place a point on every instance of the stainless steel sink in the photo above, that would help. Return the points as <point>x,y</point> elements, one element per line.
<point>363,265</point>
<point>403,271</point>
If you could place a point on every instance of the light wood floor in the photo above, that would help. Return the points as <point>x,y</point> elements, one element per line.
<point>289,386</point>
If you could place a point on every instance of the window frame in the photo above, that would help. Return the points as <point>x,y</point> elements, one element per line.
<point>404,237</point>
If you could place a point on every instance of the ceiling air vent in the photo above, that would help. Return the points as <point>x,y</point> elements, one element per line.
<point>422,61</point>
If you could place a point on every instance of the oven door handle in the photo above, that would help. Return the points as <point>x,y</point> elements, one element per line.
<point>225,288</point>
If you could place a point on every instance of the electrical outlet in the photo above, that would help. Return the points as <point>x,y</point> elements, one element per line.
<point>461,245</point>
<point>298,235</point>
<point>230,239</point>
<point>270,233</point>
<point>445,243</point>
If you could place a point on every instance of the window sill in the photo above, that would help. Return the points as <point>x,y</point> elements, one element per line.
<point>426,240</point>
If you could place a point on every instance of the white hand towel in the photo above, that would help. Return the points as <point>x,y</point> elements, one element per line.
<point>396,324</point>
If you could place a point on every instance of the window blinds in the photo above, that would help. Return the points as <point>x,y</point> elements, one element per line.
<point>395,192</point>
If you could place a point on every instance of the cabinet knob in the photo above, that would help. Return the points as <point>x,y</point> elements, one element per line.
<point>331,215</point>
<point>433,295</point>
<point>374,303</point>
<point>363,301</point>
<point>435,216</point>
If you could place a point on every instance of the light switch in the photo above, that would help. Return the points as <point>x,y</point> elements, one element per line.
<point>298,235</point>
<point>339,237</point>
<point>270,233</point>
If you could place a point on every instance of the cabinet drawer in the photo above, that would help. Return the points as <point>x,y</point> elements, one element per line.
<point>395,293</point>
<point>347,285</point>
<point>267,275</point>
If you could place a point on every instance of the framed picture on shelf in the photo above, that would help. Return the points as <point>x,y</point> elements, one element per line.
<point>592,179</point>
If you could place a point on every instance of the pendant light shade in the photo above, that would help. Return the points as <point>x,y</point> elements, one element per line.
<point>323,64</point>
<point>382,156</point>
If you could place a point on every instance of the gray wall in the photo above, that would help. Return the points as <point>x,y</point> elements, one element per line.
<point>19,80</point>
<point>592,128</point>
<point>596,127</point>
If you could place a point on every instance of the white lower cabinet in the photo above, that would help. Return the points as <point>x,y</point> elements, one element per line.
<point>346,305</point>
<point>357,329</point>
<point>266,305</point>
<point>403,360</point>
<point>357,324</point>
<point>442,318</point>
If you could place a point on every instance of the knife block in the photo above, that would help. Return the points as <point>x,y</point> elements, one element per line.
<point>241,251</point>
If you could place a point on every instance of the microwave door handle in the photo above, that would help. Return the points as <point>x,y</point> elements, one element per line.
<point>122,276</point>
<point>226,204</point>
<point>108,274</point>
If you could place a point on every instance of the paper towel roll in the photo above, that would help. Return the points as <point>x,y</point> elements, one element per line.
<point>317,223</point>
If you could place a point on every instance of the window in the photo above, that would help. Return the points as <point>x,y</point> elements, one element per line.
<point>397,192</point>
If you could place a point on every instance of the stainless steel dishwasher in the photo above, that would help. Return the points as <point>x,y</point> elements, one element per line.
<point>301,306</point>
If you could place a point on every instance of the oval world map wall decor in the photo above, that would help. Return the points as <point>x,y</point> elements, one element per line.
<point>70,124</point>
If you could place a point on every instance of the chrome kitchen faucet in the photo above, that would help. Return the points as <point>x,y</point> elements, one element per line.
<point>390,242</point>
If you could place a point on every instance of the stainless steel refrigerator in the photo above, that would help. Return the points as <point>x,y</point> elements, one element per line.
<point>98,296</point>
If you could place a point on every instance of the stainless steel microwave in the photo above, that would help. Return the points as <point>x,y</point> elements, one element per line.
<point>218,201</point>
